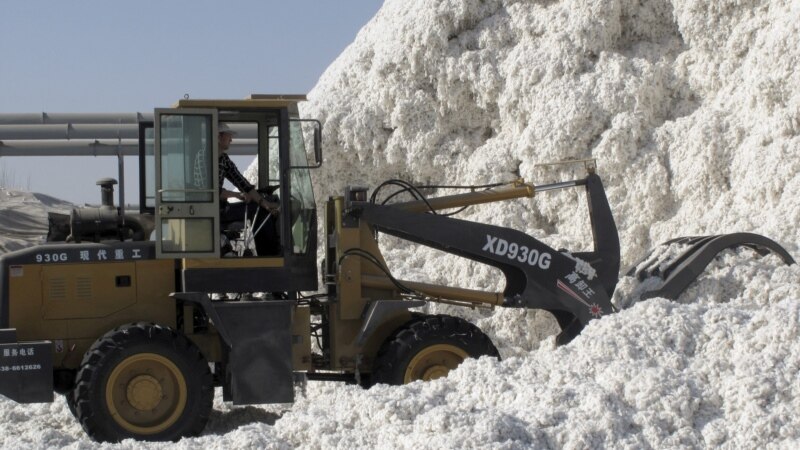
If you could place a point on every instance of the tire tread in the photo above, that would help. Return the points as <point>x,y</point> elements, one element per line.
<point>423,330</point>
<point>100,427</point>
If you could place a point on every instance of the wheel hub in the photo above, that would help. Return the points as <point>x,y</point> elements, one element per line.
<point>434,372</point>
<point>434,362</point>
<point>144,392</point>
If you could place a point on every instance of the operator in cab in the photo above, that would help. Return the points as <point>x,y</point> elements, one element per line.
<point>266,239</point>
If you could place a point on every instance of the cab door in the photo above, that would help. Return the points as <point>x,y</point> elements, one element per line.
<point>187,191</point>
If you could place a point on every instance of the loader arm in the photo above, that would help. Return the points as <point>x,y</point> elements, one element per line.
<point>574,287</point>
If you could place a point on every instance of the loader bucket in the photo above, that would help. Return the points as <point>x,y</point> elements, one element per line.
<point>678,269</point>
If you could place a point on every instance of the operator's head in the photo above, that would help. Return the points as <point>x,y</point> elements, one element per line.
<point>226,135</point>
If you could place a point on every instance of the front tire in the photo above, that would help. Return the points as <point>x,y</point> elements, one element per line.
<point>143,381</point>
<point>70,399</point>
<point>429,347</point>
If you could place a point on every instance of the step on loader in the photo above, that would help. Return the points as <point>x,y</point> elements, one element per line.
<point>135,318</point>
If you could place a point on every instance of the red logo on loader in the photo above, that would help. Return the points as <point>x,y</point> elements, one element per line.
<point>594,309</point>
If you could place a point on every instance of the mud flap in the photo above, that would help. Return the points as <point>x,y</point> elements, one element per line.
<point>260,359</point>
<point>26,369</point>
<point>258,338</point>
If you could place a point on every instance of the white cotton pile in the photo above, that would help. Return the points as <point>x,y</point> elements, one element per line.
<point>690,108</point>
<point>715,371</point>
<point>692,111</point>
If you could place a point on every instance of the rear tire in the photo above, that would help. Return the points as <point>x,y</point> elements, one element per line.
<point>143,381</point>
<point>429,347</point>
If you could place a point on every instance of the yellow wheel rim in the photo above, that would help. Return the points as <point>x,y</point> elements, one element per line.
<point>434,362</point>
<point>146,393</point>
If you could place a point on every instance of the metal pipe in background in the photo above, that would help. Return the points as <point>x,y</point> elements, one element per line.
<point>69,131</point>
<point>73,118</point>
<point>121,171</point>
<point>100,147</point>
<point>77,130</point>
<point>74,147</point>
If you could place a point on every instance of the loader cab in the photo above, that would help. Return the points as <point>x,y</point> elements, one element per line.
<point>179,160</point>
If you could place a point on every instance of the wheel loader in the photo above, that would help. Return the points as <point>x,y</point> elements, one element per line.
<point>136,317</point>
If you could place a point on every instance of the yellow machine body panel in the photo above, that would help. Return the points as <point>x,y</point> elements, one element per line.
<point>347,315</point>
<point>74,304</point>
<point>72,291</point>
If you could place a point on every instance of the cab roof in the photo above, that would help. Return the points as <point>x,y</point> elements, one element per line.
<point>254,101</point>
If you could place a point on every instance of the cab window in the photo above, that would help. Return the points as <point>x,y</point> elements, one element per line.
<point>186,166</point>
<point>302,203</point>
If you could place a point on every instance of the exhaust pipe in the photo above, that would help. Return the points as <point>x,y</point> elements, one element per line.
<point>107,192</point>
<point>94,224</point>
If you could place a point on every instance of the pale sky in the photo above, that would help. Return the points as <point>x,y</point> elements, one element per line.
<point>113,56</point>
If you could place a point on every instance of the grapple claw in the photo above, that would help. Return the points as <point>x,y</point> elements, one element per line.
<point>681,260</point>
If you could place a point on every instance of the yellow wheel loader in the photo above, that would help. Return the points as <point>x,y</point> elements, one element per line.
<point>136,318</point>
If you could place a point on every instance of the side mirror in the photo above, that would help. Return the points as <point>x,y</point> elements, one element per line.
<point>318,143</point>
